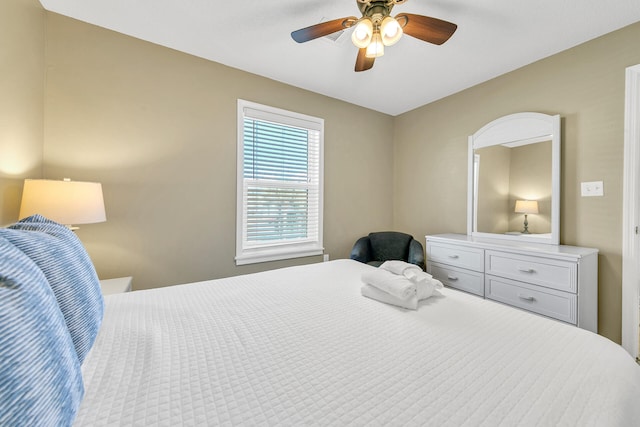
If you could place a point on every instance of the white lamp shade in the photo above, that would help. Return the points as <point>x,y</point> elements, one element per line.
<point>391,31</point>
<point>65,202</point>
<point>375,48</point>
<point>361,35</point>
<point>527,206</point>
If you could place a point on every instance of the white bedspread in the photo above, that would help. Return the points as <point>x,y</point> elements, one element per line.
<point>302,346</point>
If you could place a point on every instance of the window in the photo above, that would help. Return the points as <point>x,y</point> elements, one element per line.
<point>280,163</point>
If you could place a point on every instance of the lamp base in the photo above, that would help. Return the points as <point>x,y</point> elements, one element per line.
<point>526,225</point>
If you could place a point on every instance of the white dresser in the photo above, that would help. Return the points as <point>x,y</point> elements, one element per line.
<point>556,281</point>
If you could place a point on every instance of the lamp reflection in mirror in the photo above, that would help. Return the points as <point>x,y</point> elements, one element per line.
<point>66,202</point>
<point>526,207</point>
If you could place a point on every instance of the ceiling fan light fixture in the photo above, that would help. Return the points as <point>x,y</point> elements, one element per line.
<point>391,31</point>
<point>376,29</point>
<point>362,33</point>
<point>376,47</point>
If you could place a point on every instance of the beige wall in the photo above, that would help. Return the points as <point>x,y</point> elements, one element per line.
<point>585,85</point>
<point>21,95</point>
<point>158,129</point>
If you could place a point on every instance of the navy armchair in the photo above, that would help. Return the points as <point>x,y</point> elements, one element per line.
<point>377,248</point>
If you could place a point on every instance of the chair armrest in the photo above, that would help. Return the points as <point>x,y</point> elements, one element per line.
<point>362,250</point>
<point>416,254</point>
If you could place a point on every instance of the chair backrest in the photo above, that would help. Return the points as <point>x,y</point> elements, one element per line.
<point>390,245</point>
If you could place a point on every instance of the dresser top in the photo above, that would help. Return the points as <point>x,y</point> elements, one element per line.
<point>505,244</point>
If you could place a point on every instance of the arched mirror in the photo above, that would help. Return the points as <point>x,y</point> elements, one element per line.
<point>514,179</point>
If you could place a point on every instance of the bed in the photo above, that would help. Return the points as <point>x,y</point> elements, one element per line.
<point>302,346</point>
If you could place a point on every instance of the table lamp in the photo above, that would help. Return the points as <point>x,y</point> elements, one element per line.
<point>66,202</point>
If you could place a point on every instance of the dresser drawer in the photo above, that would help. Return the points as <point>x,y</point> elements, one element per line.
<point>458,256</point>
<point>550,273</point>
<point>548,302</point>
<point>458,278</point>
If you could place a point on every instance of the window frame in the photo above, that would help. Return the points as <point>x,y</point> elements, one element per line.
<point>278,251</point>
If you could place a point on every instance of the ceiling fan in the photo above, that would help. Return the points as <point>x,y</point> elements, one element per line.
<point>377,29</point>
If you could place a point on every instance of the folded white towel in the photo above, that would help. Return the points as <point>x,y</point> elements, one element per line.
<point>426,288</point>
<point>399,283</point>
<point>382,296</point>
<point>393,284</point>
<point>425,283</point>
<point>416,275</point>
<point>399,267</point>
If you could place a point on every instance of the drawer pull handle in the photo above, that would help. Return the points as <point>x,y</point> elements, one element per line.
<point>527,298</point>
<point>452,278</point>
<point>454,256</point>
<point>526,270</point>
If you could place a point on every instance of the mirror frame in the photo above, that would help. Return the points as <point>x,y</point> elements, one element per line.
<point>519,129</point>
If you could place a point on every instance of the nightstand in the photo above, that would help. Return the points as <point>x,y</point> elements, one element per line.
<point>115,286</point>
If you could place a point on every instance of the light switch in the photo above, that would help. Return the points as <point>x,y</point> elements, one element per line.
<point>590,189</point>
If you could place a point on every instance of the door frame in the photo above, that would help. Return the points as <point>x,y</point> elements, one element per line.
<point>631,213</point>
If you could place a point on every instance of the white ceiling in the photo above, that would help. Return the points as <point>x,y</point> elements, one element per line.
<point>493,37</point>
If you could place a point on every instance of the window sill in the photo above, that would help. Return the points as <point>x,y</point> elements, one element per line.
<point>265,255</point>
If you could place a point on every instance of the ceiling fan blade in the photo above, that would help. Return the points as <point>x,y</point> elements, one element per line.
<point>362,62</point>
<point>322,29</point>
<point>425,28</point>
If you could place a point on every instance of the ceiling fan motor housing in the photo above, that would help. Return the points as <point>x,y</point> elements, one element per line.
<point>375,10</point>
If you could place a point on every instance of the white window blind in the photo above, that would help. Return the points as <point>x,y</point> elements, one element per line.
<point>279,184</point>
